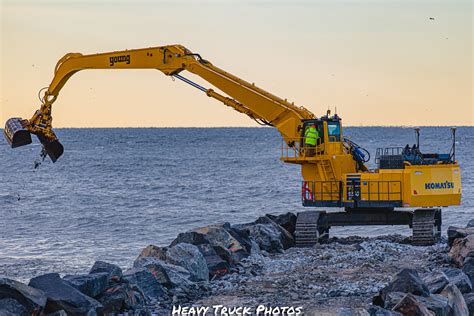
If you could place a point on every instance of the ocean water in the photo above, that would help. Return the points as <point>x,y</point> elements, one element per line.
<point>117,190</point>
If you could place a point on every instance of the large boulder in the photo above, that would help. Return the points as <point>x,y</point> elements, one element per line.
<point>409,305</point>
<point>438,304</point>
<point>469,300</point>
<point>120,297</point>
<point>224,243</point>
<point>153,251</point>
<point>267,234</point>
<point>168,275</point>
<point>390,300</point>
<point>455,300</point>
<point>287,221</point>
<point>406,281</point>
<point>146,281</point>
<point>286,238</point>
<point>11,307</point>
<point>89,284</point>
<point>468,268</point>
<point>379,311</point>
<point>113,271</point>
<point>267,238</point>
<point>61,295</point>
<point>458,232</point>
<point>436,281</point>
<point>461,249</point>
<point>32,300</point>
<point>189,257</point>
<point>215,264</point>
<point>459,278</point>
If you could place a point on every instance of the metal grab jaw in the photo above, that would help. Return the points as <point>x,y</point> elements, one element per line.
<point>17,134</point>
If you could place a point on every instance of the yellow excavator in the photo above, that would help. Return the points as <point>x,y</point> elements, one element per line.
<point>332,165</point>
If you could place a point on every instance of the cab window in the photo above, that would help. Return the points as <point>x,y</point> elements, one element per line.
<point>334,131</point>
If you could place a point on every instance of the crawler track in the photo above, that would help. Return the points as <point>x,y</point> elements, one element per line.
<point>426,226</point>
<point>306,231</point>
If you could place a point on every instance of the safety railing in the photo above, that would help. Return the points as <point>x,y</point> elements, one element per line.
<point>375,193</point>
<point>321,193</point>
<point>295,149</point>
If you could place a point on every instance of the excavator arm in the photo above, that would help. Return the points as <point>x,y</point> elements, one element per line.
<point>171,60</point>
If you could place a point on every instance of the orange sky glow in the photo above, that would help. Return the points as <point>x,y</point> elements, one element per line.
<point>377,62</point>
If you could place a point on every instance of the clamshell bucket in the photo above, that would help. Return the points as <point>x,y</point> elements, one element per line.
<point>54,149</point>
<point>15,134</point>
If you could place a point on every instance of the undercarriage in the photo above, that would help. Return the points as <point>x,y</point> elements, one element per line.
<point>313,226</point>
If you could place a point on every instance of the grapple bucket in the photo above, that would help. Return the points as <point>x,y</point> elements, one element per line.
<point>54,149</point>
<point>15,134</point>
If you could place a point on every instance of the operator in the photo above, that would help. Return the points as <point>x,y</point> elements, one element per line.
<point>311,137</point>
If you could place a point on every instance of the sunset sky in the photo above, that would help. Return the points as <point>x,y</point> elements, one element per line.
<point>379,62</point>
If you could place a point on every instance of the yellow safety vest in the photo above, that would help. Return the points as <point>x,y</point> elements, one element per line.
<point>311,136</point>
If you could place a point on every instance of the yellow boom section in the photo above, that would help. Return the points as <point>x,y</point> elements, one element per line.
<point>243,96</point>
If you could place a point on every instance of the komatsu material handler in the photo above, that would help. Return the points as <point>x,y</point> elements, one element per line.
<point>333,170</point>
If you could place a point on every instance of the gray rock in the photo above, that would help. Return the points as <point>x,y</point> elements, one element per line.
<point>32,300</point>
<point>392,299</point>
<point>63,296</point>
<point>267,238</point>
<point>268,235</point>
<point>11,307</point>
<point>409,305</point>
<point>406,281</point>
<point>287,221</point>
<point>167,274</point>
<point>461,249</point>
<point>58,313</point>
<point>470,223</point>
<point>455,300</point>
<point>242,237</point>
<point>345,311</point>
<point>189,257</point>
<point>190,237</point>
<point>379,311</point>
<point>114,272</point>
<point>436,303</point>
<point>436,281</point>
<point>121,297</point>
<point>146,281</point>
<point>286,238</point>
<point>215,264</point>
<point>458,232</point>
<point>468,268</point>
<point>225,245</point>
<point>89,284</point>
<point>469,299</point>
<point>153,251</point>
<point>459,278</point>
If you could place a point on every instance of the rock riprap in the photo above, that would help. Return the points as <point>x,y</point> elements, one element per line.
<point>256,263</point>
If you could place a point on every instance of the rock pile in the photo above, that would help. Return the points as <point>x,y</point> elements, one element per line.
<point>444,291</point>
<point>160,276</point>
<point>256,263</point>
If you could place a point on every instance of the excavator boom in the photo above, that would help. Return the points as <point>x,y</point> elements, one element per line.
<point>171,60</point>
